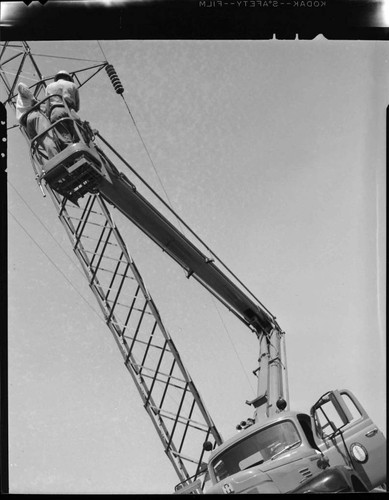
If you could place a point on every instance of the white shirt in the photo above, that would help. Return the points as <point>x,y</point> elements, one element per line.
<point>68,90</point>
<point>24,101</point>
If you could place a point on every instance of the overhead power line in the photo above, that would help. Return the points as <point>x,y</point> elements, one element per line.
<point>55,265</point>
<point>43,225</point>
<point>119,89</point>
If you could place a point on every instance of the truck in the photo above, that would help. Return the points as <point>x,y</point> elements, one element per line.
<point>333,448</point>
<point>336,448</point>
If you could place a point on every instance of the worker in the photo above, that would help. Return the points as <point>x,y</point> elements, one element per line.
<point>35,122</point>
<point>63,89</point>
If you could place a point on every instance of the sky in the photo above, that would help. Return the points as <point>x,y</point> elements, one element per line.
<point>274,153</point>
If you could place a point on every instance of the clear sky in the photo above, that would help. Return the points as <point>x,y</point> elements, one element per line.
<point>274,153</point>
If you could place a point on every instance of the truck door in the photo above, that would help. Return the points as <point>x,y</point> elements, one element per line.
<point>346,435</point>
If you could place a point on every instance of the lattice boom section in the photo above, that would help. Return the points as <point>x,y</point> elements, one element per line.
<point>168,393</point>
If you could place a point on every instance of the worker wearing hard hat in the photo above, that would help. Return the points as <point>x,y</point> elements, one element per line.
<point>63,89</point>
<point>34,121</point>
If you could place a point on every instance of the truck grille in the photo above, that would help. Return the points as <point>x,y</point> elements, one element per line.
<point>305,473</point>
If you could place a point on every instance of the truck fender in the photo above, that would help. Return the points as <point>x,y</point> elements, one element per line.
<point>337,479</point>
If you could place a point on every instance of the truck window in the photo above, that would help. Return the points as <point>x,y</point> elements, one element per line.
<point>356,414</point>
<point>305,423</point>
<point>259,447</point>
<point>329,419</point>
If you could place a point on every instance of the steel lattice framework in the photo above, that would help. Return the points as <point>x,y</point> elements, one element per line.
<point>167,391</point>
<point>150,356</point>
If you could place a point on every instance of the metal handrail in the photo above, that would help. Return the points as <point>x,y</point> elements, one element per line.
<point>78,128</point>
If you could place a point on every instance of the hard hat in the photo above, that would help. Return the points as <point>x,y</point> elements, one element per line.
<point>63,74</point>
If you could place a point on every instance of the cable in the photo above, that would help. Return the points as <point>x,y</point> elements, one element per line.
<point>45,227</point>
<point>119,89</point>
<point>64,57</point>
<point>102,51</point>
<point>186,225</point>
<point>233,346</point>
<point>53,263</point>
<point>346,448</point>
<point>15,74</point>
<point>147,151</point>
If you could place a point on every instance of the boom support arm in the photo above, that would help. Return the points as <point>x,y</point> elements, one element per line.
<point>121,193</point>
<point>272,394</point>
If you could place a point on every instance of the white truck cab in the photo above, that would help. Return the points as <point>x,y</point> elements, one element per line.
<point>269,457</point>
<point>337,449</point>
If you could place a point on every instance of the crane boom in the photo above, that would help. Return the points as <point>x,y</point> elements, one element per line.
<point>168,393</point>
<point>123,194</point>
<point>81,179</point>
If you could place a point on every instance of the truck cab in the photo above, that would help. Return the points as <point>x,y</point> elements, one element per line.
<point>297,453</point>
<point>273,456</point>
